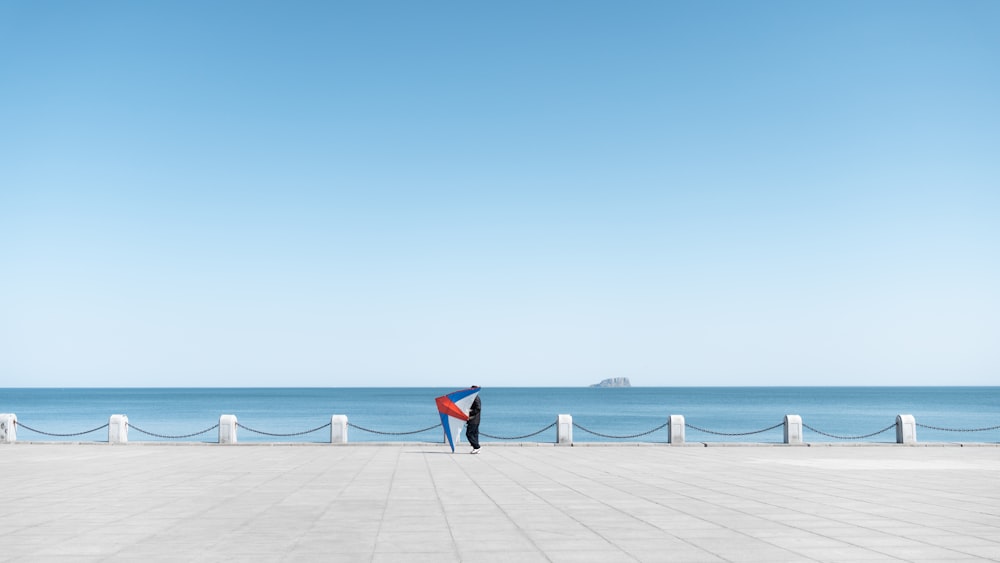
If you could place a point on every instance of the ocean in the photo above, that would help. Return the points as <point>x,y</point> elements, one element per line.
<point>712,414</point>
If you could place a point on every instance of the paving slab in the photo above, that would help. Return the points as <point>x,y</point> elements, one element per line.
<point>419,502</point>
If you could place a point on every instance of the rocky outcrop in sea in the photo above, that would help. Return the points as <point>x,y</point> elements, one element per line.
<point>614,382</point>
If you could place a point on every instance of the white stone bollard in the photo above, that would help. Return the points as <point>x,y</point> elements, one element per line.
<point>793,429</point>
<point>338,429</point>
<point>118,429</point>
<point>227,429</point>
<point>564,429</point>
<point>906,429</point>
<point>675,429</point>
<point>8,428</point>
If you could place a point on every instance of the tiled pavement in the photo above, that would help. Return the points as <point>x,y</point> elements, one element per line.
<point>418,502</point>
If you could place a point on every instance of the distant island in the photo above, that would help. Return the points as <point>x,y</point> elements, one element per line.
<point>614,382</point>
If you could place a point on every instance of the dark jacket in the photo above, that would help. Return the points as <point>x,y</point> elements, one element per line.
<point>474,411</point>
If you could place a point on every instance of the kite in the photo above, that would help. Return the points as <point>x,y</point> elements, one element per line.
<point>454,409</point>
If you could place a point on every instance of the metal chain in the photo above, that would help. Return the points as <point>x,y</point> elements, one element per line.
<point>610,436</point>
<point>621,437</point>
<point>282,435</point>
<point>141,431</point>
<point>782,423</point>
<point>26,427</point>
<point>893,425</point>
<point>352,425</point>
<point>518,437</point>
<point>958,429</point>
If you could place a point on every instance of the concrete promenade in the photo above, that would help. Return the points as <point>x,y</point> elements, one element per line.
<point>418,502</point>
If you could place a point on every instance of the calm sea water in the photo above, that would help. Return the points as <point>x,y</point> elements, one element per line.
<point>509,412</point>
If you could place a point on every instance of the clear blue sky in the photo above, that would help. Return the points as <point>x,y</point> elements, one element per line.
<point>499,193</point>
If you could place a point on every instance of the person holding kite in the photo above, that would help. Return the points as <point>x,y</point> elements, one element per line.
<point>460,408</point>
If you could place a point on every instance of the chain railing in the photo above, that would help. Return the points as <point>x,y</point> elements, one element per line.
<point>929,427</point>
<point>751,433</point>
<point>363,429</point>
<point>26,427</point>
<point>169,437</point>
<point>886,429</point>
<point>518,437</point>
<point>289,435</point>
<point>497,437</point>
<point>628,437</point>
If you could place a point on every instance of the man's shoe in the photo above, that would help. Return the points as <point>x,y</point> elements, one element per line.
<point>474,451</point>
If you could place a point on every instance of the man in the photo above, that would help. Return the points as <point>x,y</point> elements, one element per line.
<point>472,426</point>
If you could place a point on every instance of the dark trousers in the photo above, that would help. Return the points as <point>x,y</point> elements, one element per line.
<point>472,433</point>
